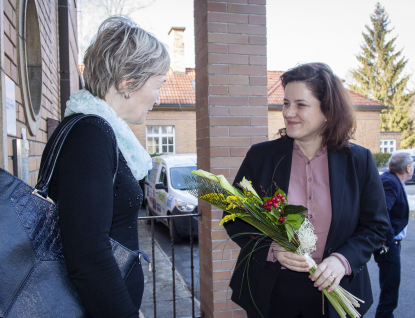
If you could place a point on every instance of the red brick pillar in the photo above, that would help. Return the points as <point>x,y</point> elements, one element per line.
<point>231,115</point>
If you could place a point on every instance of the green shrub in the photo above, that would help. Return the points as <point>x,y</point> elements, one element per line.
<point>381,158</point>
<point>156,154</point>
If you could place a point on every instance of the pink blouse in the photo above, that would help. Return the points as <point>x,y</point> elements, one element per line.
<point>310,186</point>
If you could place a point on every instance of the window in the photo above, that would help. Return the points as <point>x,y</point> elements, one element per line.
<point>30,55</point>
<point>163,176</point>
<point>160,139</point>
<point>388,145</point>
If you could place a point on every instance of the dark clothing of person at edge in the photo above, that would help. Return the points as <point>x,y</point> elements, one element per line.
<point>388,257</point>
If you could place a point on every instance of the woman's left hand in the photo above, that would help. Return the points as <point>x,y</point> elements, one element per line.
<point>329,273</point>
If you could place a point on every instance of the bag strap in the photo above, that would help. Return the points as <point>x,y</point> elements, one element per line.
<point>45,175</point>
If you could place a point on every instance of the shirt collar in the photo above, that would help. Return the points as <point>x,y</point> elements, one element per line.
<point>320,152</point>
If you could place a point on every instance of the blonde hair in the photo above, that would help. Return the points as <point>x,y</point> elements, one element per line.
<point>121,50</point>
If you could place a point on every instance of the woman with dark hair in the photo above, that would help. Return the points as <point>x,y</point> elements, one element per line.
<point>337,181</point>
<point>125,67</point>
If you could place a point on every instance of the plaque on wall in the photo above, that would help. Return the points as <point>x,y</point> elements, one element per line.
<point>10,106</point>
<point>21,159</point>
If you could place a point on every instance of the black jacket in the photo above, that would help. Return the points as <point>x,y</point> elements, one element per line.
<point>396,203</point>
<point>359,220</point>
<point>91,210</point>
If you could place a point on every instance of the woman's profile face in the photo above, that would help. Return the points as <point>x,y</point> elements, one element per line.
<point>302,113</point>
<point>136,108</point>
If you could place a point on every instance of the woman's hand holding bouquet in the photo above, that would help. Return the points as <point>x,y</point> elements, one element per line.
<point>285,224</point>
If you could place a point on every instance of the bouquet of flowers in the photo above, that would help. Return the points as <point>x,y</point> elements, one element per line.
<point>274,217</point>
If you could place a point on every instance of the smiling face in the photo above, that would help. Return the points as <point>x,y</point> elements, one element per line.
<point>302,114</point>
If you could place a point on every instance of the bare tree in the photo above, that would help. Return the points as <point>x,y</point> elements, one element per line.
<point>92,12</point>
<point>126,7</point>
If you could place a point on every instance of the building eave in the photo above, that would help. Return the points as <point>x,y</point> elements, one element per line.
<point>174,107</point>
<point>371,107</point>
<point>270,106</point>
<point>362,107</point>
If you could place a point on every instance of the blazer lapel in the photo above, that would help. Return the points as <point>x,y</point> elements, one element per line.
<point>281,171</point>
<point>337,179</point>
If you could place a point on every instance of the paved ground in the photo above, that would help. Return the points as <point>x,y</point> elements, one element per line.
<point>406,306</point>
<point>164,283</point>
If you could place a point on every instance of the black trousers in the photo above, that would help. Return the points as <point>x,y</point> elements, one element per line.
<point>294,296</point>
<point>389,279</point>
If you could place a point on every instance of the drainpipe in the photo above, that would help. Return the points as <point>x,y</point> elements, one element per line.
<point>64,56</point>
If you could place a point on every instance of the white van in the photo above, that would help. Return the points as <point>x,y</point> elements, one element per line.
<point>165,192</point>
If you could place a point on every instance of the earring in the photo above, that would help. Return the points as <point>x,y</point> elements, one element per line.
<point>127,96</point>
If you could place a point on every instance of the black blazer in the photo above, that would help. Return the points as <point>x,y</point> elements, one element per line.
<point>359,220</point>
<point>396,204</point>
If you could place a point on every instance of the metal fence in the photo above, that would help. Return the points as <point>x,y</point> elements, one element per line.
<point>171,218</point>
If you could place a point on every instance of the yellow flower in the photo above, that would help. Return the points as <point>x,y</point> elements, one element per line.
<point>227,218</point>
<point>211,197</point>
<point>232,200</point>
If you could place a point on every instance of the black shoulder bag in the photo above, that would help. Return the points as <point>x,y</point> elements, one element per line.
<point>33,276</point>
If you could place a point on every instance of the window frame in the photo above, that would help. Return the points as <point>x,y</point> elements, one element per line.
<point>389,146</point>
<point>160,135</point>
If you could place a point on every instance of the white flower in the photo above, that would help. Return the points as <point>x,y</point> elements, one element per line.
<point>307,238</point>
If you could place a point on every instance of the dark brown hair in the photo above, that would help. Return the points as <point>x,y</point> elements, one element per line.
<point>335,102</point>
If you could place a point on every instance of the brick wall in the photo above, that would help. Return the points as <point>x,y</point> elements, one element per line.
<point>184,123</point>
<point>367,132</point>
<point>275,123</point>
<point>50,106</point>
<point>396,135</point>
<point>231,115</point>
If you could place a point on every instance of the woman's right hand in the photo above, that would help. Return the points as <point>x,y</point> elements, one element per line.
<point>290,260</point>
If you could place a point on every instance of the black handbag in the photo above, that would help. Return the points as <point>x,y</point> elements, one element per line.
<point>33,276</point>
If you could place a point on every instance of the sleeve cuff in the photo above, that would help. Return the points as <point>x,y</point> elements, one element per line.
<point>345,263</point>
<point>271,257</point>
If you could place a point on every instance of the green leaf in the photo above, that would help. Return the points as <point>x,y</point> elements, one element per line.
<point>290,231</point>
<point>294,209</point>
<point>273,218</point>
<point>248,187</point>
<point>266,199</point>
<point>217,178</point>
<point>294,220</point>
<point>275,213</point>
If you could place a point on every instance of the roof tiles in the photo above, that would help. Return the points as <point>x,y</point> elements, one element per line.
<point>179,90</point>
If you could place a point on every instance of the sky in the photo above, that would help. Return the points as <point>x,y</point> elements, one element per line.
<point>298,31</point>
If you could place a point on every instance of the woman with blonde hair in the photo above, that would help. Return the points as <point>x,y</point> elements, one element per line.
<point>125,67</point>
